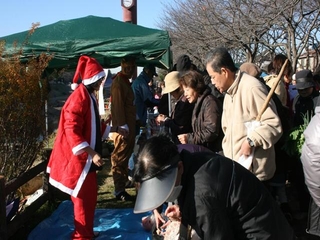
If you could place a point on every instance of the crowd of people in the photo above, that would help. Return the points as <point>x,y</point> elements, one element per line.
<point>219,168</point>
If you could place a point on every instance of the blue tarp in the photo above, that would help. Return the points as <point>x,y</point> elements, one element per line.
<point>111,223</point>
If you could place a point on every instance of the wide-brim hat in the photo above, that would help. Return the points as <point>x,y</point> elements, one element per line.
<point>155,190</point>
<point>171,82</point>
<point>304,79</point>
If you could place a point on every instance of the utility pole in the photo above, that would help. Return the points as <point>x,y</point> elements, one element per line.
<point>129,13</point>
<point>129,9</point>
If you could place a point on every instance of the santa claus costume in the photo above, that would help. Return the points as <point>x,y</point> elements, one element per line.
<point>70,167</point>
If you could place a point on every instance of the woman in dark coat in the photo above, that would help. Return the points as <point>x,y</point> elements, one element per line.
<point>217,197</point>
<point>206,117</point>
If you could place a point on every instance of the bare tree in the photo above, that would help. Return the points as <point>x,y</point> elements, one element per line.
<point>249,28</point>
<point>294,30</point>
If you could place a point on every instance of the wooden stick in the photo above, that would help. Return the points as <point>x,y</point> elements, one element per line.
<point>266,102</point>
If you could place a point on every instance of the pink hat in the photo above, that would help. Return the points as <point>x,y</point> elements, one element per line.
<point>89,70</point>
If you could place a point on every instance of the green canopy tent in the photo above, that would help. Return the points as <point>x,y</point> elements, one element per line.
<point>103,38</point>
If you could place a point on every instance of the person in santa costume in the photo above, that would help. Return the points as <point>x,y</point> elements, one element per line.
<point>76,154</point>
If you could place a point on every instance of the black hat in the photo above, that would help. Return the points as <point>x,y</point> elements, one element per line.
<point>152,68</point>
<point>183,63</point>
<point>304,79</point>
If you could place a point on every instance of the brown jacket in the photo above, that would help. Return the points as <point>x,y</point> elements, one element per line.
<point>123,110</point>
<point>206,122</point>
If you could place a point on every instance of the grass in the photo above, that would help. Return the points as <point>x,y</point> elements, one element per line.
<point>106,197</point>
<point>105,200</point>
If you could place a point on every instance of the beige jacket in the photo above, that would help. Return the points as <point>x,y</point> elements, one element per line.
<point>242,103</point>
<point>280,90</point>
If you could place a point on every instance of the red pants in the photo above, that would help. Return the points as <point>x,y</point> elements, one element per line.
<point>84,206</point>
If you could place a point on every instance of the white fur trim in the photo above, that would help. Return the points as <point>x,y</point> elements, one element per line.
<point>82,177</point>
<point>74,86</point>
<point>78,149</point>
<point>94,78</point>
<point>60,186</point>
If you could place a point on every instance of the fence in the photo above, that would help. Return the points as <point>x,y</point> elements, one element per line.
<point>7,229</point>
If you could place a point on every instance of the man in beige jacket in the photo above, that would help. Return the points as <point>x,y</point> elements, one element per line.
<point>244,98</point>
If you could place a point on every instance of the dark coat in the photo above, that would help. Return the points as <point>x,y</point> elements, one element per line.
<point>304,106</point>
<point>206,122</point>
<point>220,199</point>
<point>180,119</point>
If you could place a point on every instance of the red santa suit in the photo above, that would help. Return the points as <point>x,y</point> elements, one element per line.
<point>70,167</point>
<point>69,164</point>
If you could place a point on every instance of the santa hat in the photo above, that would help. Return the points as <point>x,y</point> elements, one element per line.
<point>89,70</point>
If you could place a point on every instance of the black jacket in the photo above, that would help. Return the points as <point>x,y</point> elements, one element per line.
<point>304,106</point>
<point>180,119</point>
<point>220,199</point>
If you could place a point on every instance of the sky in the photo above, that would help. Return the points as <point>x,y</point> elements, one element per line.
<point>18,15</point>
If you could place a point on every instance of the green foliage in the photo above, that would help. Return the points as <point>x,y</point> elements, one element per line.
<point>295,138</point>
<point>23,91</point>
